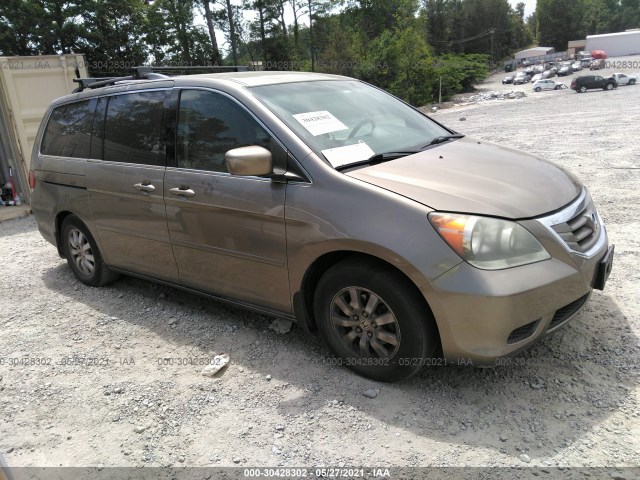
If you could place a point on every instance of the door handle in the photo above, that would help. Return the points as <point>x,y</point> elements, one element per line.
<point>145,187</point>
<point>182,191</point>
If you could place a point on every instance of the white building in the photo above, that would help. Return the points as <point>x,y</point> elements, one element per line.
<point>533,52</point>
<point>615,44</point>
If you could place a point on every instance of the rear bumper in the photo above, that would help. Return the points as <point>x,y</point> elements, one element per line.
<point>485,315</point>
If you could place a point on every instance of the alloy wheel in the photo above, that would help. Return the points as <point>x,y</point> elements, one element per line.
<point>80,250</point>
<point>364,323</point>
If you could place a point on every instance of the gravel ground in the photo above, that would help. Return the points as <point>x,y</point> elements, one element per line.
<point>96,376</point>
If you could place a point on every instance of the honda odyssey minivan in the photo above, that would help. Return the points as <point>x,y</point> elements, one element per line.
<point>323,200</point>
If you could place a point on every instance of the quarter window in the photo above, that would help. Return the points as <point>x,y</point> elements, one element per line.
<point>134,129</point>
<point>68,133</point>
<point>210,124</point>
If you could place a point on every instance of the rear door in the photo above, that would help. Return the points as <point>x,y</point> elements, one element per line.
<point>125,180</point>
<point>227,231</point>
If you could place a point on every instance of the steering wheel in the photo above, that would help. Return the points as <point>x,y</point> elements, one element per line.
<point>360,125</point>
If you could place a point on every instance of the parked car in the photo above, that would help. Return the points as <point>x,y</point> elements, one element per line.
<point>549,73</point>
<point>540,68</point>
<point>531,71</point>
<point>588,82</point>
<point>521,78</point>
<point>323,200</point>
<point>546,84</point>
<point>565,69</point>
<point>536,77</point>
<point>576,66</point>
<point>586,62</point>
<point>624,79</point>
<point>597,64</point>
<point>508,79</point>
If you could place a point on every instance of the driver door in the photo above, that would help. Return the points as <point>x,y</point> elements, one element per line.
<point>227,231</point>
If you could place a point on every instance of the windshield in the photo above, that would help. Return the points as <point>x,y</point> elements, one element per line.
<point>347,121</point>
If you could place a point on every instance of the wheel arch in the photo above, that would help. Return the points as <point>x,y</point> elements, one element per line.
<point>303,299</point>
<point>58,229</point>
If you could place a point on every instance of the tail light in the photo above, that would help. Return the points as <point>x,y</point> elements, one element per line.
<point>32,179</point>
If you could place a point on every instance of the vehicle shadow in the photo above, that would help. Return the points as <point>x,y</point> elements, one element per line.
<point>537,403</point>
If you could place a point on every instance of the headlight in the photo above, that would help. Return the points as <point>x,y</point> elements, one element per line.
<point>488,243</point>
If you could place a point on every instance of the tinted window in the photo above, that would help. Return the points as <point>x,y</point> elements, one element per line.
<point>68,133</point>
<point>210,124</point>
<point>134,130</point>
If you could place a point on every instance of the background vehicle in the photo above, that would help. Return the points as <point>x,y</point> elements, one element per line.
<point>549,73</point>
<point>589,82</point>
<point>586,62</point>
<point>576,66</point>
<point>508,79</point>
<point>623,79</point>
<point>545,84</point>
<point>521,78</point>
<point>597,64</point>
<point>536,77</point>
<point>565,69</point>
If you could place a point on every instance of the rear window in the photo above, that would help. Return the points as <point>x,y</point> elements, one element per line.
<point>68,133</point>
<point>134,129</point>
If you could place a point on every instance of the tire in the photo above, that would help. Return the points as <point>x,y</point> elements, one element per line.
<point>583,89</point>
<point>632,82</point>
<point>557,87</point>
<point>348,327</point>
<point>609,86</point>
<point>82,254</point>
<point>537,89</point>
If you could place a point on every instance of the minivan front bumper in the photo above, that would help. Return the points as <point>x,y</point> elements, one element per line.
<point>484,315</point>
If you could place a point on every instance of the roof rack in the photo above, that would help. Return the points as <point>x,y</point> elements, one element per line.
<point>145,72</point>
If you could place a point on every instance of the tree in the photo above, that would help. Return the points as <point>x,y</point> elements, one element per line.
<point>215,52</point>
<point>558,22</point>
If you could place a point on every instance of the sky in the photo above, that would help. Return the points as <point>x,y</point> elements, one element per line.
<point>530,6</point>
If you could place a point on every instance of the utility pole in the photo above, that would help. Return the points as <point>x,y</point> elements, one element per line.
<point>493,31</point>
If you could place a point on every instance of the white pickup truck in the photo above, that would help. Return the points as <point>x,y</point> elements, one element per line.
<point>624,79</point>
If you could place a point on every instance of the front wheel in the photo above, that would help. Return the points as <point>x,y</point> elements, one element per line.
<point>375,322</point>
<point>537,89</point>
<point>632,82</point>
<point>82,254</point>
<point>583,89</point>
<point>609,86</point>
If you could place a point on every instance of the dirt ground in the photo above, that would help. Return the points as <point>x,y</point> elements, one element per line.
<point>111,376</point>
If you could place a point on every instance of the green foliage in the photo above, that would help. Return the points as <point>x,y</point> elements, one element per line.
<point>404,46</point>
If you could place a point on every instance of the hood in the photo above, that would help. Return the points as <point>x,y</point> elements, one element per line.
<point>472,176</point>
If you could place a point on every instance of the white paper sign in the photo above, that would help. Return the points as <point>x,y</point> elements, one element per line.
<point>319,123</point>
<point>351,153</point>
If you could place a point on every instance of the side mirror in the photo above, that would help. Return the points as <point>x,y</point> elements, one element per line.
<point>253,160</point>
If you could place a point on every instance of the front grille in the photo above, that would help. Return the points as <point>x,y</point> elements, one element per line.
<point>564,313</point>
<point>522,332</point>
<point>581,231</point>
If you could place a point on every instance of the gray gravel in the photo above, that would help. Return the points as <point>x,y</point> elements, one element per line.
<point>111,375</point>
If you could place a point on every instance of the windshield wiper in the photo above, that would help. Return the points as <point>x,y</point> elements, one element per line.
<point>443,138</point>
<point>378,158</point>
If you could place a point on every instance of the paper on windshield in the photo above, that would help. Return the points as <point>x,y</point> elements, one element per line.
<point>349,154</point>
<point>319,123</point>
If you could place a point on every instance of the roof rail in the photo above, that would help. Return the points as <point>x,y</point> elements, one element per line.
<point>146,72</point>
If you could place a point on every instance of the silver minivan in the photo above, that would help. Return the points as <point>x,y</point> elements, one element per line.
<point>323,200</point>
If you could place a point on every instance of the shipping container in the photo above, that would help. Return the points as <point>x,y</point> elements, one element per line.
<point>27,87</point>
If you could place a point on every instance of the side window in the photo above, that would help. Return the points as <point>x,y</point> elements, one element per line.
<point>134,128</point>
<point>68,133</point>
<point>210,124</point>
